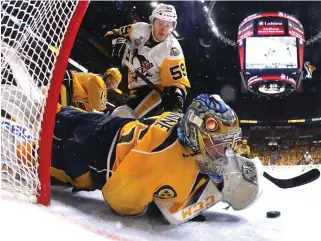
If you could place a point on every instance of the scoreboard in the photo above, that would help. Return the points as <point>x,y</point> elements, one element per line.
<point>271,49</point>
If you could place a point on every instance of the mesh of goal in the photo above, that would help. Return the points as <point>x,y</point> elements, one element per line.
<point>32,34</point>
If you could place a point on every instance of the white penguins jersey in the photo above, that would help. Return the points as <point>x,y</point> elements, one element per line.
<point>162,63</point>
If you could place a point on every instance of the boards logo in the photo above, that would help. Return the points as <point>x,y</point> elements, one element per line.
<point>17,130</point>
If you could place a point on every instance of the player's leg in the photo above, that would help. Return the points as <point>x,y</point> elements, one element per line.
<point>145,102</point>
<point>75,146</point>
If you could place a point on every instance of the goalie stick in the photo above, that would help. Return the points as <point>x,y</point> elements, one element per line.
<point>297,181</point>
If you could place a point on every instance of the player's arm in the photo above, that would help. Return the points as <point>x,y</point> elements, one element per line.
<point>124,31</point>
<point>173,76</point>
<point>130,189</point>
<point>120,43</point>
<point>97,93</point>
<point>94,93</point>
<point>173,72</point>
<point>248,150</point>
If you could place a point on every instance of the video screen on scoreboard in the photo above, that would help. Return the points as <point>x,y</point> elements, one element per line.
<point>271,53</point>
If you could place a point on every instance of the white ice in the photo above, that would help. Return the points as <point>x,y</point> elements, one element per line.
<point>85,216</point>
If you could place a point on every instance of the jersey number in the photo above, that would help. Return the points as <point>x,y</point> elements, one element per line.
<point>125,30</point>
<point>178,71</point>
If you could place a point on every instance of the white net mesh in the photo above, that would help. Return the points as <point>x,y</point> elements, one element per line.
<point>32,33</point>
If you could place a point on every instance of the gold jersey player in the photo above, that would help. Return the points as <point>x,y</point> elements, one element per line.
<point>156,54</point>
<point>88,91</point>
<point>179,162</point>
<point>244,149</point>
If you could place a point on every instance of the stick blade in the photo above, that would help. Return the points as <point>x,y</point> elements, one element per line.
<point>303,179</point>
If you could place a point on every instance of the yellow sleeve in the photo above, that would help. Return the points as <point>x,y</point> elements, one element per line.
<point>93,96</point>
<point>239,149</point>
<point>120,192</point>
<point>90,89</point>
<point>173,73</point>
<point>248,150</point>
<point>79,93</point>
<point>124,31</point>
<point>97,95</point>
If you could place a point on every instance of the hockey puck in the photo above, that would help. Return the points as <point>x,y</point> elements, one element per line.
<point>273,214</point>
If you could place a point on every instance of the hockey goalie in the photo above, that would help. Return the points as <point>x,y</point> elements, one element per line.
<point>182,163</point>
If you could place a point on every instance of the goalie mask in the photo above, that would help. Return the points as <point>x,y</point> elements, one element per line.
<point>208,128</point>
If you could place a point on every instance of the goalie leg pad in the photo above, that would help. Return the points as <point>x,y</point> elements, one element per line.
<point>177,213</point>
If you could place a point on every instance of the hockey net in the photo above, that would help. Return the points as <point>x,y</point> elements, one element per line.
<point>36,40</point>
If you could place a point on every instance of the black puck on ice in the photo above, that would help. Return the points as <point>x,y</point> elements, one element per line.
<point>273,214</point>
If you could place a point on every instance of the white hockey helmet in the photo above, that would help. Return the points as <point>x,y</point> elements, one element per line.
<point>164,12</point>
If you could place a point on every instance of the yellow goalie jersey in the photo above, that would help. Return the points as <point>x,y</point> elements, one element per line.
<point>133,162</point>
<point>162,63</point>
<point>149,161</point>
<point>89,91</point>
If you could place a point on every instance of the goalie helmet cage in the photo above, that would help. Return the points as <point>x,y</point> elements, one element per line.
<point>36,41</point>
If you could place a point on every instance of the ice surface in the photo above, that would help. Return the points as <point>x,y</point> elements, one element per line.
<point>85,216</point>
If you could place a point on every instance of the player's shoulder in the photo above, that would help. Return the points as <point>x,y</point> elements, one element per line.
<point>165,115</point>
<point>173,42</point>
<point>141,25</point>
<point>95,79</point>
<point>173,48</point>
<point>169,115</point>
<point>141,28</point>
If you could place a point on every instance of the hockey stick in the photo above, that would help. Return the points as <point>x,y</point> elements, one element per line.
<point>140,75</point>
<point>125,62</point>
<point>297,181</point>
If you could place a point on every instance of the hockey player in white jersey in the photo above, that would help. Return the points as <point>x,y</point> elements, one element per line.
<point>156,54</point>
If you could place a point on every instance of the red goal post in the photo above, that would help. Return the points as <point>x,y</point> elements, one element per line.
<point>36,41</point>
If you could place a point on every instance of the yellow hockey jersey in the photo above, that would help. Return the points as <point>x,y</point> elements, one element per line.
<point>150,165</point>
<point>144,162</point>
<point>89,91</point>
<point>163,63</point>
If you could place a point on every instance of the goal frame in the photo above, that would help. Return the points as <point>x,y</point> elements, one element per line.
<point>47,125</point>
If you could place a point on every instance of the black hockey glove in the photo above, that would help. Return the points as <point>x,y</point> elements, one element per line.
<point>173,99</point>
<point>120,50</point>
